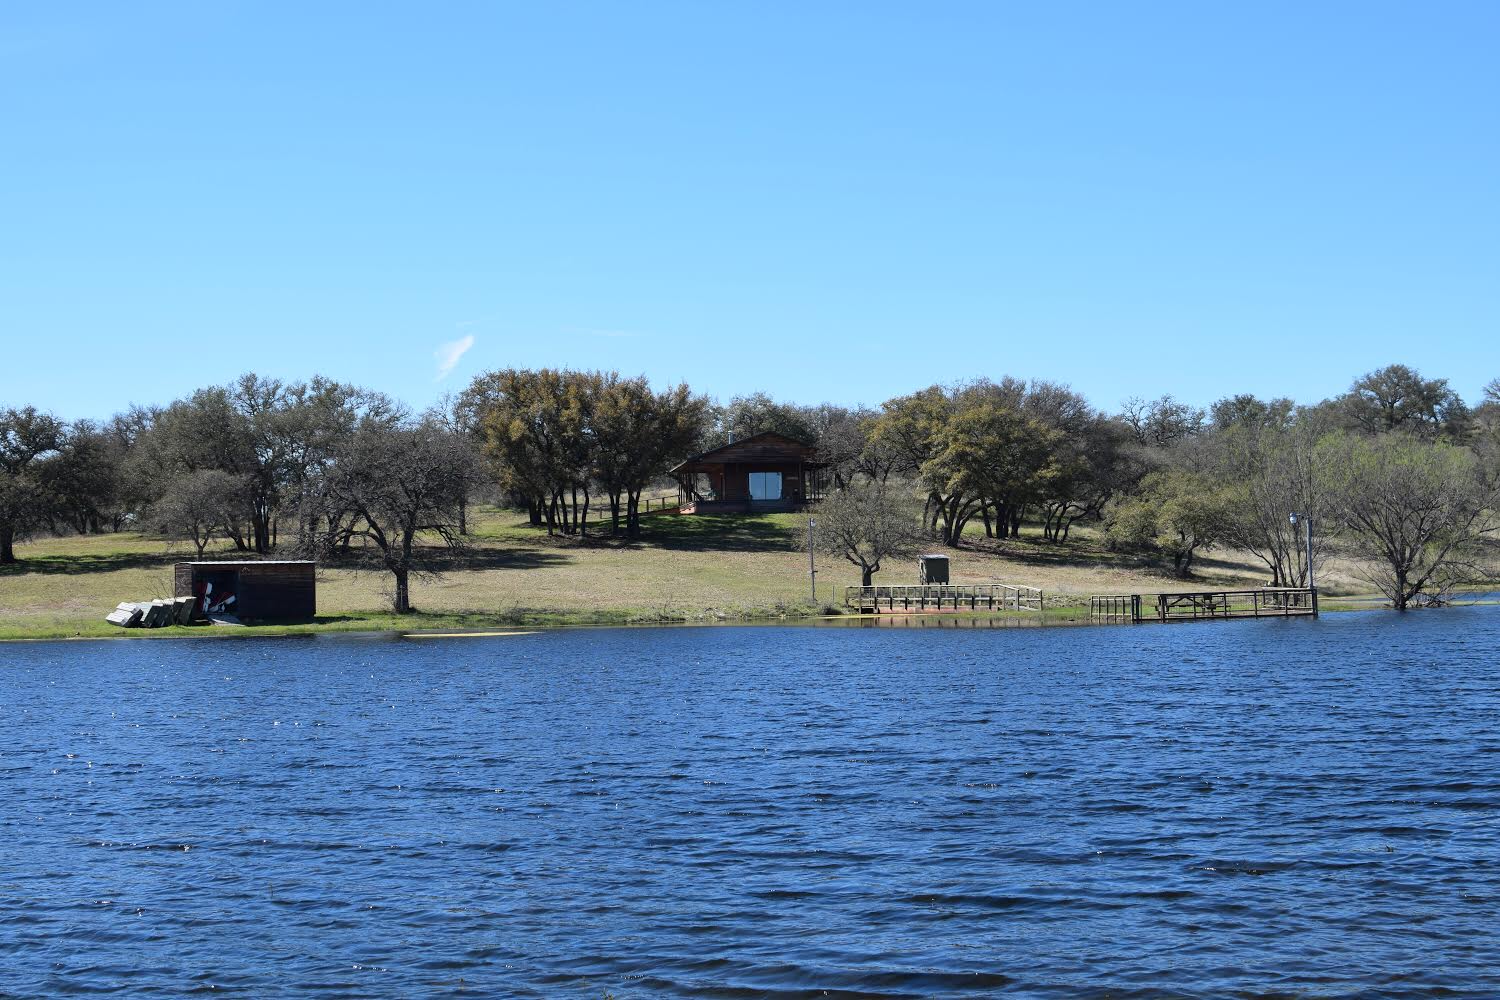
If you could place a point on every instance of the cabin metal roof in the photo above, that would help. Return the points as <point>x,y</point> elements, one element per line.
<point>767,446</point>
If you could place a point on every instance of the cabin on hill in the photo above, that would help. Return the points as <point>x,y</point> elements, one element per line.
<point>762,473</point>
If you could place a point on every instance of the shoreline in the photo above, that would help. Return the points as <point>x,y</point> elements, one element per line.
<point>485,626</point>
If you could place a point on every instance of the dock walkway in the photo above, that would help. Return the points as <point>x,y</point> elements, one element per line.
<point>943,597</point>
<point>1262,602</point>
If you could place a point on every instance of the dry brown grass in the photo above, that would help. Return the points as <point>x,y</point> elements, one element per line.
<point>696,568</point>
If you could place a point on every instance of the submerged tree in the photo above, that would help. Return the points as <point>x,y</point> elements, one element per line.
<point>867,522</point>
<point>1415,510</point>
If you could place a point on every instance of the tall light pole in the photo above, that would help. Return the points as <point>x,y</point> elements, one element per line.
<point>1307,521</point>
<point>812,566</point>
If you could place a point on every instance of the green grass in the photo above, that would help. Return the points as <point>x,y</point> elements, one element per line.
<point>700,568</point>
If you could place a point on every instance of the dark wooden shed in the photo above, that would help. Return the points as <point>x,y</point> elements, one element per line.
<point>765,472</point>
<point>261,590</point>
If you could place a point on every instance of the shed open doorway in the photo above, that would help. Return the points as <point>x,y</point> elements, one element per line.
<point>217,591</point>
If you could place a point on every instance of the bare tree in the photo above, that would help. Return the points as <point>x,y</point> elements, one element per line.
<point>868,521</point>
<point>403,481</point>
<point>195,505</point>
<point>1273,473</point>
<point>1415,510</point>
<point>1161,422</point>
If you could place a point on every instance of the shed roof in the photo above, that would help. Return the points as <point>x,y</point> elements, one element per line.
<point>768,446</point>
<point>248,562</point>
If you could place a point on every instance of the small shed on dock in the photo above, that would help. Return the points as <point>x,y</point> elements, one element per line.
<point>257,590</point>
<point>764,472</point>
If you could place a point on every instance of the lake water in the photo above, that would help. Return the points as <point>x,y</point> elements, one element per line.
<point>1254,809</point>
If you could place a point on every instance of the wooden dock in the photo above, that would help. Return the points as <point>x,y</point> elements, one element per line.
<point>1263,602</point>
<point>936,597</point>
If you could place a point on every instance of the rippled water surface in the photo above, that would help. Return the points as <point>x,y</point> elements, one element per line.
<point>1273,808</point>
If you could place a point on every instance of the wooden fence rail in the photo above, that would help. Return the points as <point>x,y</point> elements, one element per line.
<point>647,505</point>
<point>941,596</point>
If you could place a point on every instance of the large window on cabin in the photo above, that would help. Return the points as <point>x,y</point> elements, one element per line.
<point>765,486</point>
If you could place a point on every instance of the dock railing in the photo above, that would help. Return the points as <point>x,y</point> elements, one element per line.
<point>1261,602</point>
<point>1115,608</point>
<point>944,596</point>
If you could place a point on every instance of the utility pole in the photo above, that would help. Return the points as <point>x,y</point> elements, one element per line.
<point>1310,584</point>
<point>812,566</point>
<point>1312,587</point>
<point>1307,522</point>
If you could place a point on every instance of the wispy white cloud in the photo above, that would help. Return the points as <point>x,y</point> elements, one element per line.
<point>448,354</point>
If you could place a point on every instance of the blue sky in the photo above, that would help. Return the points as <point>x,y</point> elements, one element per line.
<point>825,201</point>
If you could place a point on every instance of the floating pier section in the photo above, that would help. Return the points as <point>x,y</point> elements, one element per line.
<point>1263,602</point>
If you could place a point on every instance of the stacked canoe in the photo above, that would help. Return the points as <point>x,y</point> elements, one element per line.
<point>153,614</point>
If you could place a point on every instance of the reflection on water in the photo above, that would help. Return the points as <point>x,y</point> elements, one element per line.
<point>1256,809</point>
<point>948,621</point>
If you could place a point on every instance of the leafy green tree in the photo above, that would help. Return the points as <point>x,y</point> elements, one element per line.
<point>746,416</point>
<point>533,426</point>
<point>992,457</point>
<point>1092,465</point>
<point>640,434</point>
<point>26,438</point>
<point>1176,513</point>
<point>1248,411</point>
<point>1399,398</point>
<point>84,477</point>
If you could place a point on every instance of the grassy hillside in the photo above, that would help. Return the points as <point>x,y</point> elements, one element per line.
<point>687,568</point>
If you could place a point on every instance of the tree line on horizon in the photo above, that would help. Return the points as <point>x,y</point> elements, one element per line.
<point>1399,465</point>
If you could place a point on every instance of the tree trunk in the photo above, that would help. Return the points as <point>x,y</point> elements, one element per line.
<point>583,523</point>
<point>865,573</point>
<point>614,512</point>
<point>952,530</point>
<point>633,514</point>
<point>402,600</point>
<point>7,544</point>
